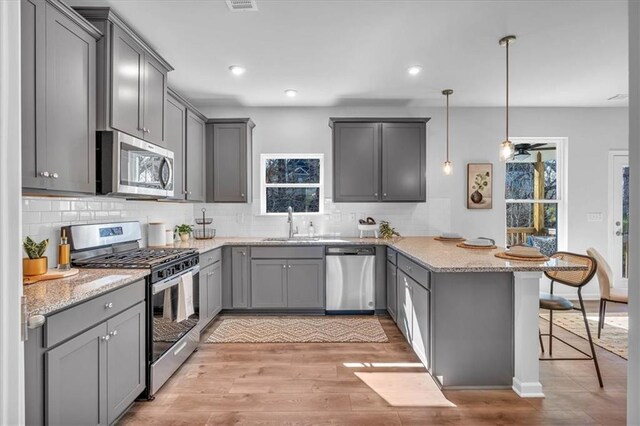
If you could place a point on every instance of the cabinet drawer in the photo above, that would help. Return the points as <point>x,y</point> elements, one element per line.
<point>210,257</point>
<point>391,255</point>
<point>296,252</point>
<point>415,271</point>
<point>74,320</point>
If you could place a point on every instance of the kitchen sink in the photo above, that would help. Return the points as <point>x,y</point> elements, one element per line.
<point>305,240</point>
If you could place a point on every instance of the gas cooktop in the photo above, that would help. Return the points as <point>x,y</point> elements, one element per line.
<point>140,258</point>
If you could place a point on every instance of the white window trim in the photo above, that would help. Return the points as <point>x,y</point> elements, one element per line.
<point>264,185</point>
<point>562,175</point>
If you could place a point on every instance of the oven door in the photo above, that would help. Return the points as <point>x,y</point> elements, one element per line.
<point>144,168</point>
<point>165,328</point>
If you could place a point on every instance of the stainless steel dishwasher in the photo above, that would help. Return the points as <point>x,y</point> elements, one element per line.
<point>350,275</point>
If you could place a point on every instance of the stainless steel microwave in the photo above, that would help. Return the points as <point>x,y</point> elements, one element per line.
<point>132,168</point>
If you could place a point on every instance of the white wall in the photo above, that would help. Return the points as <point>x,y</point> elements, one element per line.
<point>475,137</point>
<point>43,217</point>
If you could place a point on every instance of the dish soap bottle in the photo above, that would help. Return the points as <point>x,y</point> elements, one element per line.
<point>311,230</point>
<point>64,253</point>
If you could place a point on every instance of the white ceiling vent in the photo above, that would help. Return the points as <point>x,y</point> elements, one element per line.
<point>242,5</point>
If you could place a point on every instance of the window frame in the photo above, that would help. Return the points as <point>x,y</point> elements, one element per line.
<point>561,200</point>
<point>264,185</point>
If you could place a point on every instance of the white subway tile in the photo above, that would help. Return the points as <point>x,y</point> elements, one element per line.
<point>94,205</point>
<point>31,217</point>
<point>60,205</point>
<point>39,205</point>
<point>70,216</point>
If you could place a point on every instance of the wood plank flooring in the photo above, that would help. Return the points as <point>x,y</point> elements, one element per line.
<point>314,384</point>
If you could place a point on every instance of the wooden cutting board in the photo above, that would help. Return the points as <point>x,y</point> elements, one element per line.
<point>465,246</point>
<point>504,255</point>
<point>450,240</point>
<point>52,274</point>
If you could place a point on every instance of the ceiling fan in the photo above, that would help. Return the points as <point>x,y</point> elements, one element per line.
<point>521,150</point>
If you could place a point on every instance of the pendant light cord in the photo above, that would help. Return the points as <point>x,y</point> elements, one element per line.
<point>447,127</point>
<point>507,92</point>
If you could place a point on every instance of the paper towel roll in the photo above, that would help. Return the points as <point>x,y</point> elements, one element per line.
<point>156,234</point>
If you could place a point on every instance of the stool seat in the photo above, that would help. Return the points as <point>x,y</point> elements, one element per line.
<point>555,303</point>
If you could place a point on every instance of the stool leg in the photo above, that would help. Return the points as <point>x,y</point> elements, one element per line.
<point>593,350</point>
<point>550,332</point>
<point>601,317</point>
<point>540,337</point>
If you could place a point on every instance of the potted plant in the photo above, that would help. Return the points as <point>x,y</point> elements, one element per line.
<point>480,182</point>
<point>36,263</point>
<point>184,231</point>
<point>387,231</point>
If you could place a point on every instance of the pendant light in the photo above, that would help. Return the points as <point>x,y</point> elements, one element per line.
<point>447,164</point>
<point>506,147</point>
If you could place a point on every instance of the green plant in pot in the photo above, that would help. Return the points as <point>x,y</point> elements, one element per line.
<point>35,263</point>
<point>184,231</point>
<point>386,231</point>
<point>480,183</point>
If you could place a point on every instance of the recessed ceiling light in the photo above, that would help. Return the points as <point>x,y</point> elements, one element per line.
<point>414,70</point>
<point>618,97</point>
<point>237,69</point>
<point>291,93</point>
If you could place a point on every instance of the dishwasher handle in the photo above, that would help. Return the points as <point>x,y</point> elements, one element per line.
<point>350,251</point>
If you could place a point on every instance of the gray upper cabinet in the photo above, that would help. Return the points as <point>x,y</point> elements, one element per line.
<point>229,154</point>
<point>132,79</point>
<point>379,159</point>
<point>195,164</point>
<point>176,121</point>
<point>58,99</point>
<point>356,162</point>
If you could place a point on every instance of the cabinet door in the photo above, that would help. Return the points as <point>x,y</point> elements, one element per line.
<point>269,283</point>
<point>126,92</point>
<point>356,162</point>
<point>154,100</point>
<point>32,46</point>
<point>404,313</point>
<point>126,364</point>
<point>214,290</point>
<point>230,163</point>
<point>305,284</point>
<point>403,162</point>
<point>420,324</point>
<point>240,277</point>
<point>203,296</point>
<point>195,158</point>
<point>76,380</point>
<point>392,301</point>
<point>70,113</point>
<point>175,141</point>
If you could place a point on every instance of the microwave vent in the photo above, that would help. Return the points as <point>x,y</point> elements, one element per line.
<point>242,5</point>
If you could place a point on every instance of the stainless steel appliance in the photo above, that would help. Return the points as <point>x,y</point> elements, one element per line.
<point>130,167</point>
<point>116,245</point>
<point>350,273</point>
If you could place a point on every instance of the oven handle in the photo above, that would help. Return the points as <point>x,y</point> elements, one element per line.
<point>171,281</point>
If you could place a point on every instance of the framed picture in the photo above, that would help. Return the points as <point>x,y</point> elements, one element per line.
<point>479,185</point>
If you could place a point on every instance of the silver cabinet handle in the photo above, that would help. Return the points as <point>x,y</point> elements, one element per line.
<point>284,266</point>
<point>55,175</point>
<point>185,192</point>
<point>148,131</point>
<point>210,259</point>
<point>289,266</point>
<point>375,194</point>
<point>114,333</point>
<point>105,338</point>
<point>189,192</point>
<point>108,305</point>
<point>244,253</point>
<point>242,195</point>
<point>44,174</point>
<point>384,194</point>
<point>209,274</point>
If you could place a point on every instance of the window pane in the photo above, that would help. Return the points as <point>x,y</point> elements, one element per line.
<point>520,180</point>
<point>293,170</point>
<point>301,199</point>
<point>533,224</point>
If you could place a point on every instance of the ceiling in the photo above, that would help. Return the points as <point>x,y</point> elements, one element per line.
<point>345,52</point>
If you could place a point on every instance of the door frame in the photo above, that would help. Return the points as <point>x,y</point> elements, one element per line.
<point>611,247</point>
<point>12,396</point>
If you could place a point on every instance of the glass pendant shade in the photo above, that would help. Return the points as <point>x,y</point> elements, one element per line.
<point>447,168</point>
<point>506,150</point>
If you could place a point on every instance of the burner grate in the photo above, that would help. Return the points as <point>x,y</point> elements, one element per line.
<point>136,259</point>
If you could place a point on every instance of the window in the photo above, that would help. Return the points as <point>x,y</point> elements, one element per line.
<point>534,195</point>
<point>294,180</point>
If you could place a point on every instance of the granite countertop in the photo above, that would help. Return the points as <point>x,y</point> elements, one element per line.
<point>438,256</point>
<point>48,297</point>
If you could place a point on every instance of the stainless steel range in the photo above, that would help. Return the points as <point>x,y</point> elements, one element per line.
<point>117,246</point>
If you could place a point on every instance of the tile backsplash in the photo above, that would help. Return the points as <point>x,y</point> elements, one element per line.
<point>42,217</point>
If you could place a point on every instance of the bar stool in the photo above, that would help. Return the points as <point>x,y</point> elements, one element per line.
<point>552,302</point>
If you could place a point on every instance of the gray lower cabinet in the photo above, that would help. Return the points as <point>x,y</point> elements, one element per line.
<point>269,283</point>
<point>210,292</point>
<point>379,159</point>
<point>287,283</point>
<point>58,98</point>
<point>413,316</point>
<point>240,277</point>
<point>229,156</point>
<point>392,300</point>
<point>195,160</point>
<point>87,364</point>
<point>132,79</point>
<point>404,312</point>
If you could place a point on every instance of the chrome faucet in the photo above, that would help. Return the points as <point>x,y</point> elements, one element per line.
<point>290,221</point>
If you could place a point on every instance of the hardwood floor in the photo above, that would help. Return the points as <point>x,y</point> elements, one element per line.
<point>314,384</point>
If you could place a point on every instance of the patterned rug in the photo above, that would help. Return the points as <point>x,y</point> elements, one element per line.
<point>615,334</point>
<point>299,330</point>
